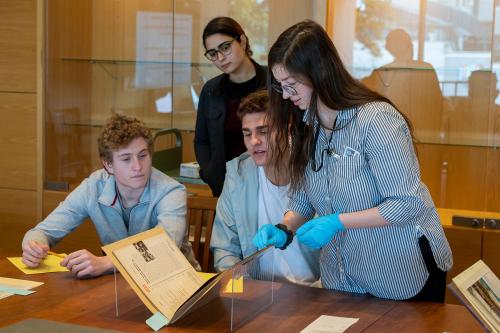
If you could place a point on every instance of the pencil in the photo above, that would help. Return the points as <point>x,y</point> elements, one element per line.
<point>60,255</point>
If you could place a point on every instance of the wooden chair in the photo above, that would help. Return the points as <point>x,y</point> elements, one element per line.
<point>167,155</point>
<point>200,219</point>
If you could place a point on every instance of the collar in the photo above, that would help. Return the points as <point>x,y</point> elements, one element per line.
<point>109,194</point>
<point>260,75</point>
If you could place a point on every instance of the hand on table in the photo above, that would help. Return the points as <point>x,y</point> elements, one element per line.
<point>83,264</point>
<point>317,232</point>
<point>34,253</point>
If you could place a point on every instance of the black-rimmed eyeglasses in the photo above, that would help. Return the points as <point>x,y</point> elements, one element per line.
<point>288,88</point>
<point>223,48</point>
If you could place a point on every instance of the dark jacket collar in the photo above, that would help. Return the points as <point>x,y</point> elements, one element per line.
<point>260,74</point>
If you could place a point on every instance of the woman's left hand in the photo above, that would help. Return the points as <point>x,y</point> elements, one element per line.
<point>319,231</point>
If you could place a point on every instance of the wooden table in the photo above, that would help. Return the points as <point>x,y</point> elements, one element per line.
<point>92,303</point>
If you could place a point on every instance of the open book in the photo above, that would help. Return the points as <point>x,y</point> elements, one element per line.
<point>478,288</point>
<point>161,276</point>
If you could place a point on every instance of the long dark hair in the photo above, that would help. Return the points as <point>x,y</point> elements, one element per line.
<point>226,26</point>
<point>306,50</point>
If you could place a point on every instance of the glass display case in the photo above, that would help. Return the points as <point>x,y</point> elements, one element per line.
<point>438,61</point>
<point>143,58</point>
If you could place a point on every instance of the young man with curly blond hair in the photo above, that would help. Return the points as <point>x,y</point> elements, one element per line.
<point>124,198</point>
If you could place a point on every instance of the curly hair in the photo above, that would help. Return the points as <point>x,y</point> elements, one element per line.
<point>119,131</point>
<point>255,102</point>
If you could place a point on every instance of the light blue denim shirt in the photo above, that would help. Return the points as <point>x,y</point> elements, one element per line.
<point>236,220</point>
<point>163,203</point>
<point>237,213</point>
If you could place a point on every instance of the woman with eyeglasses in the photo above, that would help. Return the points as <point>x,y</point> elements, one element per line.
<point>352,163</point>
<point>218,137</point>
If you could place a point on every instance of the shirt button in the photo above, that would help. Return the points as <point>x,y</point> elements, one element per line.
<point>327,198</point>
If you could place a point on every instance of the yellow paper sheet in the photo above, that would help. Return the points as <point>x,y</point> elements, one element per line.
<point>234,285</point>
<point>238,283</point>
<point>49,264</point>
<point>206,276</point>
<point>17,283</point>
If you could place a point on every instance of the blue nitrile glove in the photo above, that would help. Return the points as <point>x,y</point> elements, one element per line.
<point>267,235</point>
<point>319,231</point>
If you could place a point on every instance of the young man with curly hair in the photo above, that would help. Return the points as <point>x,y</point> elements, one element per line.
<point>124,198</point>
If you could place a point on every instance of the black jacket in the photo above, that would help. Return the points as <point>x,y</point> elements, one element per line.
<point>209,132</point>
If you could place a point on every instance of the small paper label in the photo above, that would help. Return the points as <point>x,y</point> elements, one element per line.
<point>348,152</point>
<point>16,291</point>
<point>157,321</point>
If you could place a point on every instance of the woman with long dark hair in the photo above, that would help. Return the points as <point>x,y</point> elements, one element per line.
<point>218,137</point>
<point>352,162</point>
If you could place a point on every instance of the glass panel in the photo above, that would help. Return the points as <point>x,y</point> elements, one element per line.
<point>388,42</point>
<point>438,61</point>
<point>102,57</point>
<point>458,42</point>
<point>252,287</point>
<point>386,34</point>
<point>143,58</point>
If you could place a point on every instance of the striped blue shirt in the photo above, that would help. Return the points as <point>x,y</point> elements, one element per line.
<point>373,164</point>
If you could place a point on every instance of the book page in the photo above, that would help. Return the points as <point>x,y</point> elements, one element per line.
<point>481,288</point>
<point>160,271</point>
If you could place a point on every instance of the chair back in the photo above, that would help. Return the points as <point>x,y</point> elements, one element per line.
<point>200,219</point>
<point>170,157</point>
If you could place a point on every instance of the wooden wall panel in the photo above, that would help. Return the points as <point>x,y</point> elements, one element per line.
<point>493,180</point>
<point>417,95</point>
<point>67,90</point>
<point>17,215</point>
<point>491,249</point>
<point>18,45</point>
<point>431,170</point>
<point>119,43</point>
<point>18,141</point>
<point>466,177</point>
<point>188,146</point>
<point>461,177</point>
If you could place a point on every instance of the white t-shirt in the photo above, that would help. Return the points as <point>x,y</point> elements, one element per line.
<point>293,263</point>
